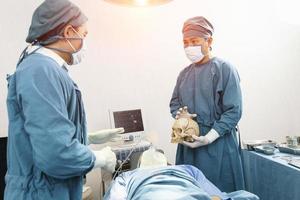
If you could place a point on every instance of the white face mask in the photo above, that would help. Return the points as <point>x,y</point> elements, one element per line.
<point>78,55</point>
<point>194,53</point>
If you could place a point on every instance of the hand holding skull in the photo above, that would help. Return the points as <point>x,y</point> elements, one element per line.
<point>184,113</point>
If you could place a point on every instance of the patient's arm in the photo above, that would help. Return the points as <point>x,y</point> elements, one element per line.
<point>206,185</point>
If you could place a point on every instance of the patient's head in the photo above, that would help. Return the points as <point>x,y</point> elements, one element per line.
<point>152,158</point>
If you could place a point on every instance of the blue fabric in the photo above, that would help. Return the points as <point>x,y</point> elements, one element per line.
<point>212,91</point>
<point>212,190</point>
<point>175,182</point>
<point>242,195</point>
<point>47,156</point>
<point>205,184</point>
<point>158,184</point>
<point>271,178</point>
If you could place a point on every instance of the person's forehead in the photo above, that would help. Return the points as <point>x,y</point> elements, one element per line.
<point>192,38</point>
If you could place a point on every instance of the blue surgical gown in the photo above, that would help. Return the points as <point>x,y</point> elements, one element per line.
<point>47,155</point>
<point>212,91</point>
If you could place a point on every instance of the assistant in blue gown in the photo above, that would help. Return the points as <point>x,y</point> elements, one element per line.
<point>47,156</point>
<point>212,91</point>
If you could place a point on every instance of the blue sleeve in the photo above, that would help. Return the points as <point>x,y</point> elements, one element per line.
<point>55,149</point>
<point>175,102</point>
<point>230,98</point>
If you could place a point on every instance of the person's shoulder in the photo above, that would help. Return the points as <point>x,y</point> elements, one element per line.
<point>38,63</point>
<point>37,68</point>
<point>222,64</point>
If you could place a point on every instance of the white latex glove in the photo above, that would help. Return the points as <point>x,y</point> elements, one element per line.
<point>209,138</point>
<point>103,136</point>
<point>105,159</point>
<point>184,113</point>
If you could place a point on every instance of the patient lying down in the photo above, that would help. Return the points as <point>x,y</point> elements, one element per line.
<point>155,180</point>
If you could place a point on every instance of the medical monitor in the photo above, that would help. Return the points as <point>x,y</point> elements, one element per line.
<point>130,120</point>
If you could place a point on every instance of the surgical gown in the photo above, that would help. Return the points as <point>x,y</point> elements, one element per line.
<point>47,156</point>
<point>212,91</point>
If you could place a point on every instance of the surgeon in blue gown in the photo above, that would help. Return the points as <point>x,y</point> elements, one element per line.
<point>210,88</point>
<point>47,153</point>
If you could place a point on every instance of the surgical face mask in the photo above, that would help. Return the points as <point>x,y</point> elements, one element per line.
<point>194,53</point>
<point>78,55</point>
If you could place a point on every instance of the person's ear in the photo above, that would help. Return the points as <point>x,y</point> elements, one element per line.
<point>209,41</point>
<point>68,31</point>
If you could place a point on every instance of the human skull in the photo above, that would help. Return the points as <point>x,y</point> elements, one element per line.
<point>183,129</point>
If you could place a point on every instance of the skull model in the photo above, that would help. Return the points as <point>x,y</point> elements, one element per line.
<point>183,129</point>
<point>184,126</point>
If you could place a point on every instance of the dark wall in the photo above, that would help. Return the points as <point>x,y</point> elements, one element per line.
<point>3,143</point>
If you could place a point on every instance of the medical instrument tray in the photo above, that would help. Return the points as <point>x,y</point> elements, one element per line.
<point>250,144</point>
<point>295,163</point>
<point>289,149</point>
<point>265,149</point>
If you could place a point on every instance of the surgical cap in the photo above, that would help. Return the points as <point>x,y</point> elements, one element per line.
<point>197,27</point>
<point>54,14</point>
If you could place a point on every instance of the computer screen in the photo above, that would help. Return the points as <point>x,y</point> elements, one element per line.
<point>130,120</point>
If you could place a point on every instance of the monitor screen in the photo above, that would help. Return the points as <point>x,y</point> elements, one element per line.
<point>130,120</point>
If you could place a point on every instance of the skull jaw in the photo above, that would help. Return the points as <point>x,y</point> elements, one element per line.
<point>181,139</point>
<point>177,140</point>
<point>189,139</point>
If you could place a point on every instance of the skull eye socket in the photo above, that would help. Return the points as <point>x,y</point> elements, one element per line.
<point>178,130</point>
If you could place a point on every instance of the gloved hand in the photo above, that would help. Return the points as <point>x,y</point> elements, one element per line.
<point>184,113</point>
<point>105,159</point>
<point>209,138</point>
<point>103,136</point>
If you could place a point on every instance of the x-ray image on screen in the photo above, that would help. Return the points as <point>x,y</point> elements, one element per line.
<point>130,120</point>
